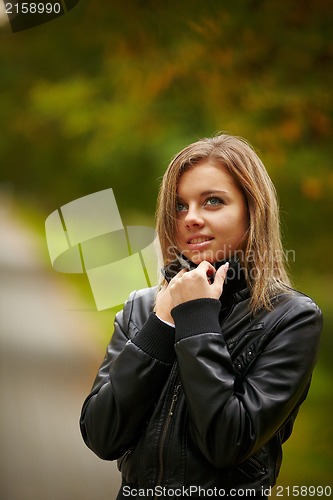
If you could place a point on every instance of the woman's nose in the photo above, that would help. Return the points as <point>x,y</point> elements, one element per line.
<point>193,218</point>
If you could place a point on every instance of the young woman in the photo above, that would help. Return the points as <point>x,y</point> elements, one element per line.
<point>204,376</point>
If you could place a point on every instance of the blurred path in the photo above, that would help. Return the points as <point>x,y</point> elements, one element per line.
<point>48,359</point>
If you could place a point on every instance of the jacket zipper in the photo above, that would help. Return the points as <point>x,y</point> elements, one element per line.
<point>165,431</point>
<point>259,466</point>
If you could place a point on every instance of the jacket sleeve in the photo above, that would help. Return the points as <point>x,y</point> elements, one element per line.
<point>127,384</point>
<point>234,417</point>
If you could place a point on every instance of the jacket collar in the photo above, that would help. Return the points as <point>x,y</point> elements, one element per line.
<point>235,287</point>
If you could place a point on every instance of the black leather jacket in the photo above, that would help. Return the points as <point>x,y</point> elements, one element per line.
<point>207,403</point>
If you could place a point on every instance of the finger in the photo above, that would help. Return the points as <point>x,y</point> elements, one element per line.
<point>221,275</point>
<point>205,268</point>
<point>222,271</point>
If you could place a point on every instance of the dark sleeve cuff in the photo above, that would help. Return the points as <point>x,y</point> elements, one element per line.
<point>157,339</point>
<point>196,316</point>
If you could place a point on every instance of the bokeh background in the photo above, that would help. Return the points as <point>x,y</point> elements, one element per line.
<point>103,97</point>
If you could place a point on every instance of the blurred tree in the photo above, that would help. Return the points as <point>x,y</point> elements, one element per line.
<point>104,96</point>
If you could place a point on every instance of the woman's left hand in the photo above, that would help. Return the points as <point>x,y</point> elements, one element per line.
<point>195,284</point>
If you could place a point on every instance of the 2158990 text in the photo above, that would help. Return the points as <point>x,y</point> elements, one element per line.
<point>303,491</point>
<point>33,8</point>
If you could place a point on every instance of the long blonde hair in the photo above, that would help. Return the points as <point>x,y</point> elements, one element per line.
<point>262,257</point>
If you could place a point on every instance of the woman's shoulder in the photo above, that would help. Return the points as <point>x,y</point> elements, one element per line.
<point>138,306</point>
<point>296,299</point>
<point>143,298</point>
<point>295,306</point>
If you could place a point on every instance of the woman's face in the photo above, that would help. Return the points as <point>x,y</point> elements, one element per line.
<point>212,216</point>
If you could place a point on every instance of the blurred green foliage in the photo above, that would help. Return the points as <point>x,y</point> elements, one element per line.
<point>108,90</point>
<point>105,95</point>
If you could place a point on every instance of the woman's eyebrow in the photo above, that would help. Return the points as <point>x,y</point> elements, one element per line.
<point>210,192</point>
<point>214,192</point>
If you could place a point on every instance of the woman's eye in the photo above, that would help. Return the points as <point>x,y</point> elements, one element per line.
<point>180,207</point>
<point>214,200</point>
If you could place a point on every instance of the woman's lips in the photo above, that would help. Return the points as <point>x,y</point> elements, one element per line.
<point>199,242</point>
